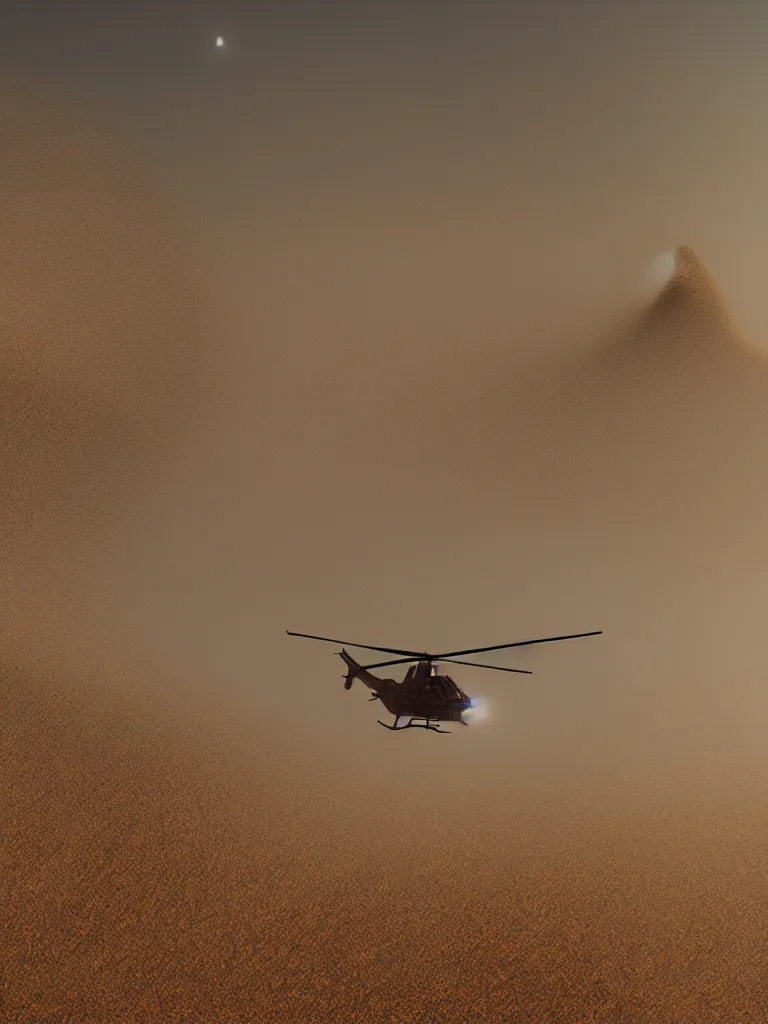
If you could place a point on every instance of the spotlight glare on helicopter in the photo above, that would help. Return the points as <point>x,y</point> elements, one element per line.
<point>476,713</point>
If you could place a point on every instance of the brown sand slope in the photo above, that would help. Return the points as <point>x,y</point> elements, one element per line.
<point>162,860</point>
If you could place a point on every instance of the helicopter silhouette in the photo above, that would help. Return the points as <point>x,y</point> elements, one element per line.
<point>426,695</point>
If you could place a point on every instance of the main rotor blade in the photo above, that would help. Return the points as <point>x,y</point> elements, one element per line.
<point>474,664</point>
<point>519,643</point>
<point>399,661</point>
<point>496,668</point>
<point>367,647</point>
<point>456,654</point>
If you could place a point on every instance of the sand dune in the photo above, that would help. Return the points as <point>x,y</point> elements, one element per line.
<point>165,858</point>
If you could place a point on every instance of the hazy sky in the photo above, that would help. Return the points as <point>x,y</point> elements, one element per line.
<point>393,210</point>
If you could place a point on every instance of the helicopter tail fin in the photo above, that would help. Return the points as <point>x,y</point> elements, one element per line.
<point>353,669</point>
<point>357,671</point>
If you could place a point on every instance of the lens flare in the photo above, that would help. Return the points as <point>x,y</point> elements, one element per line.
<point>660,270</point>
<point>476,713</point>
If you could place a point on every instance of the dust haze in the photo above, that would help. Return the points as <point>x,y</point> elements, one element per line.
<point>410,364</point>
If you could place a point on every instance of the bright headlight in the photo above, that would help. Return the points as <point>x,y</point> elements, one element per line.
<point>477,712</point>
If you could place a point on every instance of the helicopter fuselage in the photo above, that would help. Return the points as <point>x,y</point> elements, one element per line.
<point>424,693</point>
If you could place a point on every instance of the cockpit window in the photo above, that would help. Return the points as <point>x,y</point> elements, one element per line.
<point>445,687</point>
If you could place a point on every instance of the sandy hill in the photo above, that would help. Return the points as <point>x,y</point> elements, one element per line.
<point>660,427</point>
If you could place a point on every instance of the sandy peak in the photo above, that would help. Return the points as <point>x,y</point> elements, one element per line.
<point>691,296</point>
<point>690,270</point>
<point>691,279</point>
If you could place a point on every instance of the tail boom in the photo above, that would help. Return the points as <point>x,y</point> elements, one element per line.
<point>356,671</point>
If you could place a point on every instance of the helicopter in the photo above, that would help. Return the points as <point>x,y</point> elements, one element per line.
<point>426,696</point>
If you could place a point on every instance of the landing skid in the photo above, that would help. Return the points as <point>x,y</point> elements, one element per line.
<point>412,724</point>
